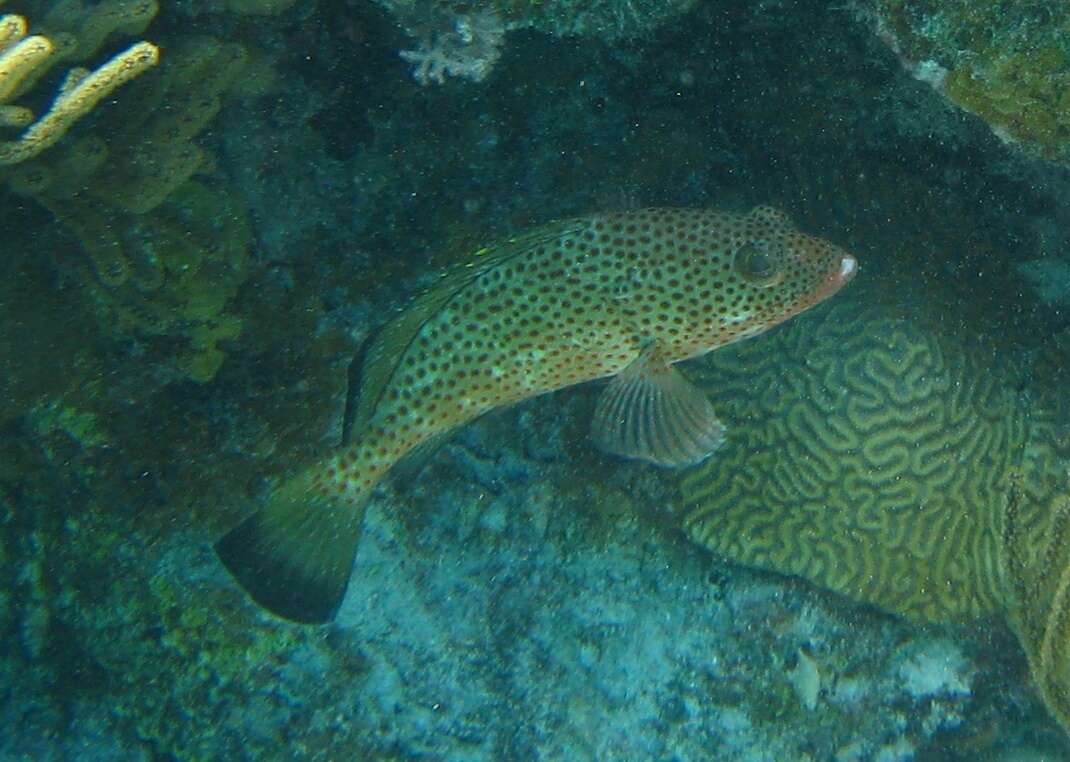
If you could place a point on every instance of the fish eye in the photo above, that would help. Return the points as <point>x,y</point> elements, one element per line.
<point>756,265</point>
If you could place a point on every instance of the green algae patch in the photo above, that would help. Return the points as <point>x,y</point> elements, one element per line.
<point>82,426</point>
<point>1025,96</point>
<point>1007,63</point>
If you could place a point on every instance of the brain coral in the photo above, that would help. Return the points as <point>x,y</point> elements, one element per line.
<point>865,454</point>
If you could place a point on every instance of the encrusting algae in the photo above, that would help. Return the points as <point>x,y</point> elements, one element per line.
<point>623,295</point>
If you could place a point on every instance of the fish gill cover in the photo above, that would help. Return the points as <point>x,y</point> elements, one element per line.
<point>193,259</point>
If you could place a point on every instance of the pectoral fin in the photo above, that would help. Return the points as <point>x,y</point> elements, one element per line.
<point>649,411</point>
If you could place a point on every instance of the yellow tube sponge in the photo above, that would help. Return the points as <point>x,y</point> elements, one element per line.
<point>19,55</point>
<point>12,29</point>
<point>77,31</point>
<point>79,95</point>
<point>159,150</point>
<point>125,17</point>
<point>15,116</point>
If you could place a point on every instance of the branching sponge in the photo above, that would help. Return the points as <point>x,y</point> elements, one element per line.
<point>82,90</point>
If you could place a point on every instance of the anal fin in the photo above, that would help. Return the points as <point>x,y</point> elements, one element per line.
<point>412,463</point>
<point>650,412</point>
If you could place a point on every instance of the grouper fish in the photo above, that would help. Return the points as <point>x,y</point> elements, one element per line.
<point>621,295</point>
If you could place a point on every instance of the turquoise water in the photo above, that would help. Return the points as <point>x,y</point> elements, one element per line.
<point>191,267</point>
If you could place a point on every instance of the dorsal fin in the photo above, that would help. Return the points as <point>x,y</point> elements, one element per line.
<point>389,346</point>
<point>354,374</point>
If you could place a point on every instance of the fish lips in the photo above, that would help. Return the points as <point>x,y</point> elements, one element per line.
<point>838,278</point>
<point>833,282</point>
<point>848,269</point>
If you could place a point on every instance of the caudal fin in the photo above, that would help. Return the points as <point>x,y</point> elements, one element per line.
<point>294,556</point>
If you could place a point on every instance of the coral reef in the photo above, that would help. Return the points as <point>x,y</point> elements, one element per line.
<point>525,595</point>
<point>501,582</point>
<point>875,467</point>
<point>609,20</point>
<point>899,469</point>
<point>1037,568</point>
<point>466,45</point>
<point>458,39</point>
<point>1034,532</point>
<point>1008,63</point>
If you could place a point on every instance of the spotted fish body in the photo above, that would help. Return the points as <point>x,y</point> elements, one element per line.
<point>622,295</point>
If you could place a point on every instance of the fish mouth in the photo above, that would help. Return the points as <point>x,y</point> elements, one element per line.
<point>839,277</point>
<point>848,269</point>
<point>836,279</point>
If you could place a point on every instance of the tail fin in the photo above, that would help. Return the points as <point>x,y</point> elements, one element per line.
<point>295,555</point>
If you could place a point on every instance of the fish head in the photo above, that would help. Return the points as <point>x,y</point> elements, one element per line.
<point>815,269</point>
<point>776,272</point>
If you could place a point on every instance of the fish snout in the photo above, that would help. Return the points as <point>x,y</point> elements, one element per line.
<point>848,269</point>
<point>841,271</point>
